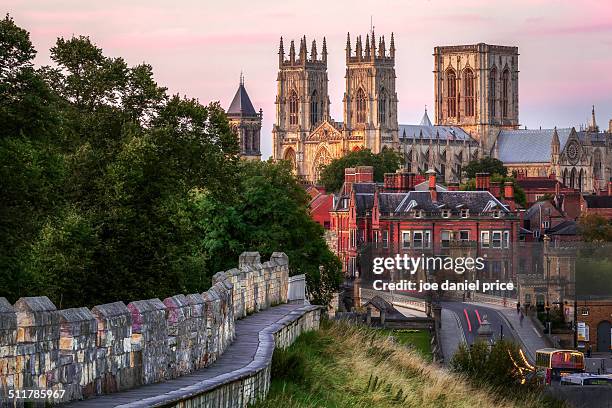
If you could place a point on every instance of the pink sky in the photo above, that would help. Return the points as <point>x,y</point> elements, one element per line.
<point>198,48</point>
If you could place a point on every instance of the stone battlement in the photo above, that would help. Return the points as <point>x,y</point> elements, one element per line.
<point>114,347</point>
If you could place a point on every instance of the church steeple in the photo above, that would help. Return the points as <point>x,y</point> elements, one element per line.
<point>593,125</point>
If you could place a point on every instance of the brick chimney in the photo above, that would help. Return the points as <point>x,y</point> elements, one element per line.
<point>483,181</point>
<point>431,177</point>
<point>363,174</point>
<point>349,179</point>
<point>453,186</point>
<point>495,189</point>
<point>509,190</point>
<point>400,181</point>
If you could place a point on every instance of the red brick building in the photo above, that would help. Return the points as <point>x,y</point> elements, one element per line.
<point>398,215</point>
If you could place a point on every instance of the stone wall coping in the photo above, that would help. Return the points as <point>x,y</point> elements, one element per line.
<point>35,304</point>
<point>77,314</point>
<point>263,357</point>
<point>108,310</point>
<point>5,306</point>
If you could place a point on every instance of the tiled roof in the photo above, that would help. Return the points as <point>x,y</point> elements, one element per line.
<point>528,145</point>
<point>593,201</point>
<point>431,132</point>
<point>476,201</point>
<point>564,228</point>
<point>241,104</point>
<point>540,182</point>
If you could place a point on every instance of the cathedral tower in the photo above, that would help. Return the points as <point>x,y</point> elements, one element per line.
<point>476,87</point>
<point>246,123</point>
<point>370,100</point>
<point>302,101</point>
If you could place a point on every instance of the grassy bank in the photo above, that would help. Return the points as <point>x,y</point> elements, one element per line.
<point>343,366</point>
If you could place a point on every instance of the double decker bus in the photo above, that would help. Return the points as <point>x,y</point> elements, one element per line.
<point>552,364</point>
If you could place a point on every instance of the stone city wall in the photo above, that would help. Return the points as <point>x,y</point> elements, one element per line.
<point>114,347</point>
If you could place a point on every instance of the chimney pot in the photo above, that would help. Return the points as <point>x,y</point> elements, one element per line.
<point>509,190</point>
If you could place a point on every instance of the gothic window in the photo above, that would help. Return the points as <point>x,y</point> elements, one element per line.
<point>314,109</point>
<point>451,93</point>
<point>254,139</point>
<point>597,173</point>
<point>469,92</point>
<point>322,159</point>
<point>361,106</point>
<point>505,92</point>
<point>565,180</point>
<point>382,107</point>
<point>573,178</point>
<point>290,157</point>
<point>580,179</point>
<point>293,108</point>
<point>492,92</point>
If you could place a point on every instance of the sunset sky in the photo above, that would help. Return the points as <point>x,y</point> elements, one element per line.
<point>198,48</point>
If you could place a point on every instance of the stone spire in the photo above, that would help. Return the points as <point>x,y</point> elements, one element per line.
<point>382,48</point>
<point>392,47</point>
<point>324,51</point>
<point>367,47</point>
<point>348,45</point>
<point>303,49</point>
<point>358,49</point>
<point>281,53</point>
<point>292,52</point>
<point>313,51</point>
<point>593,125</point>
<point>373,46</point>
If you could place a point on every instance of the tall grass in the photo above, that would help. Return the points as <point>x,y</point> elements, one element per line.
<point>342,366</point>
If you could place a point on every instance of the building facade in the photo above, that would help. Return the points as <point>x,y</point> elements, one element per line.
<point>305,134</point>
<point>401,215</point>
<point>246,123</point>
<point>476,88</point>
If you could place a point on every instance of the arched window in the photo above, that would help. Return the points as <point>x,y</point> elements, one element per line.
<point>361,106</point>
<point>382,107</point>
<point>597,173</point>
<point>314,109</point>
<point>492,92</point>
<point>580,179</point>
<point>565,180</point>
<point>469,92</point>
<point>505,92</point>
<point>451,93</point>
<point>290,157</point>
<point>573,178</point>
<point>322,159</point>
<point>293,108</point>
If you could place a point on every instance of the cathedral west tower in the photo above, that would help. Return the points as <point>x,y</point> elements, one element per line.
<point>370,100</point>
<point>302,102</point>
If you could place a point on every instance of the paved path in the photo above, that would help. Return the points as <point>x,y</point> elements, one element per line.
<point>451,334</point>
<point>238,356</point>
<point>460,322</point>
<point>528,334</point>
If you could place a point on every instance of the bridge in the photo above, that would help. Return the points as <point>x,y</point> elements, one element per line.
<point>209,349</point>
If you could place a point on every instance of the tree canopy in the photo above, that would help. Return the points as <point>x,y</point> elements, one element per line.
<point>114,190</point>
<point>485,165</point>
<point>387,161</point>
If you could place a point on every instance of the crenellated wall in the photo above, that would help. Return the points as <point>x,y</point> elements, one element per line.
<point>114,347</point>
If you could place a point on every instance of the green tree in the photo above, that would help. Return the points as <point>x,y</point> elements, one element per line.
<point>595,228</point>
<point>485,165</point>
<point>387,161</point>
<point>497,365</point>
<point>270,212</point>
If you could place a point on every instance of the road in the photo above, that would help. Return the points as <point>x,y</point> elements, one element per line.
<point>471,315</point>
